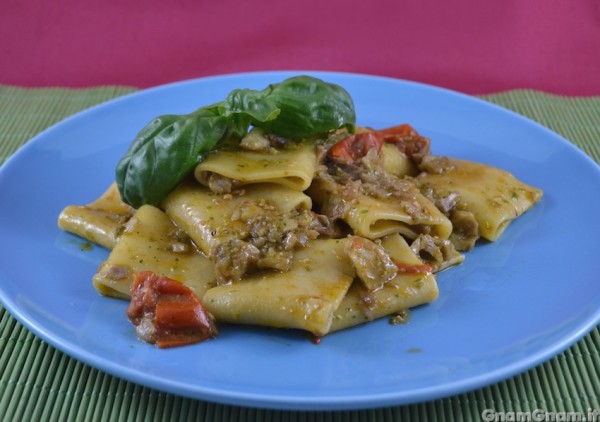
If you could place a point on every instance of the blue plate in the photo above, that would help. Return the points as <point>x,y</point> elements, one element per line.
<point>512,304</point>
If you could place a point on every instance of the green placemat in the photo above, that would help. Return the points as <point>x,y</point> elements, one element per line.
<point>38,382</point>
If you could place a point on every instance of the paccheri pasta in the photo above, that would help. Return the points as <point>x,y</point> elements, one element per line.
<point>317,232</point>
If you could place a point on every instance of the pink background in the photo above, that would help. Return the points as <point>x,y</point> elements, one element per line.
<point>479,46</point>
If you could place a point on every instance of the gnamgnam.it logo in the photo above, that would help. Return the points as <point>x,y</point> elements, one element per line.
<point>539,415</point>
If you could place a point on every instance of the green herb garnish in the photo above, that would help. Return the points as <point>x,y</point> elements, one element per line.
<point>168,148</point>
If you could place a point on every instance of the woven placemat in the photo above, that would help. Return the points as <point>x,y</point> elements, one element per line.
<point>38,382</point>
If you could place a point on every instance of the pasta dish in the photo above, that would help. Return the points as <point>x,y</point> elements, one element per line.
<point>275,208</point>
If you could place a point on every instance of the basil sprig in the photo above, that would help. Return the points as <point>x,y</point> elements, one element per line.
<point>168,148</point>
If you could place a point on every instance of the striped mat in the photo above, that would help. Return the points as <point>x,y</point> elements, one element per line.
<point>39,383</point>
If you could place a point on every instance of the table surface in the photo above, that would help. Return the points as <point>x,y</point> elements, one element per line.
<point>38,382</point>
<point>540,61</point>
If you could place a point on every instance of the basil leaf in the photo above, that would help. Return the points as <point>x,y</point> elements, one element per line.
<point>254,104</point>
<point>246,107</point>
<point>170,146</point>
<point>309,106</point>
<point>166,151</point>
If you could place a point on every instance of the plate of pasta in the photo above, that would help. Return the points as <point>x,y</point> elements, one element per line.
<point>302,240</point>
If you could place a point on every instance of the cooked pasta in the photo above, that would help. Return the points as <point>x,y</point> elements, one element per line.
<point>99,222</point>
<point>151,242</point>
<point>494,196</point>
<point>292,167</point>
<point>318,234</point>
